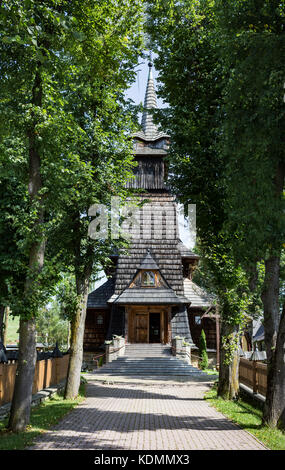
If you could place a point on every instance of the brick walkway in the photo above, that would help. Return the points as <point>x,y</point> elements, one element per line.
<point>149,417</point>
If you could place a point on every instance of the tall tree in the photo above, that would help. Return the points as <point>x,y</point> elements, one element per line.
<point>233,125</point>
<point>252,44</point>
<point>192,77</point>
<point>105,121</point>
<point>43,45</point>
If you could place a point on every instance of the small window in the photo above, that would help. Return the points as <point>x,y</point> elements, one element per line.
<point>197,320</point>
<point>148,279</point>
<point>100,320</point>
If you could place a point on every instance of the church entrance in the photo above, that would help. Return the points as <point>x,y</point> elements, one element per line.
<point>154,327</point>
<point>147,324</point>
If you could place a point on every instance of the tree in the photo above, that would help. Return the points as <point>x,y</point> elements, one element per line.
<point>32,39</point>
<point>44,48</point>
<point>192,78</point>
<point>251,47</point>
<point>51,327</point>
<point>105,121</point>
<point>203,351</point>
<point>228,96</point>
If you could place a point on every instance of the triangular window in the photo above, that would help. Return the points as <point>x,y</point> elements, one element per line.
<point>148,274</point>
<point>147,278</point>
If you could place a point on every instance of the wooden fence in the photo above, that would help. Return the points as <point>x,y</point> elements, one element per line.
<point>254,375</point>
<point>48,372</point>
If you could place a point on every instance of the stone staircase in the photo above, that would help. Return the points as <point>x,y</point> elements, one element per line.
<point>148,361</point>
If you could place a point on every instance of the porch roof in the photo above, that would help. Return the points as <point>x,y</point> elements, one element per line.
<point>149,296</point>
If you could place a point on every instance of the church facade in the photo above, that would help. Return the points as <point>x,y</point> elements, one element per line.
<point>149,296</point>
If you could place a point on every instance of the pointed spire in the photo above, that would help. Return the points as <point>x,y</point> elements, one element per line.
<point>149,128</point>
<point>149,132</point>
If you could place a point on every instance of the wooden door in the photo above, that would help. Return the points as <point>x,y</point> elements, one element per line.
<point>141,328</point>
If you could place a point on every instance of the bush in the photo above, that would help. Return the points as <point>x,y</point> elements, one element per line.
<point>203,351</point>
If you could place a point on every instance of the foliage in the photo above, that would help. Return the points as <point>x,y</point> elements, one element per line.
<point>65,66</point>
<point>13,330</point>
<point>67,297</point>
<point>251,47</point>
<point>203,351</point>
<point>51,327</point>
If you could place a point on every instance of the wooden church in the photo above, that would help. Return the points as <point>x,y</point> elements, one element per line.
<point>150,296</point>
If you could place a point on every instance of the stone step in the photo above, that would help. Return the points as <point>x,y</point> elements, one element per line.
<point>122,369</point>
<point>150,374</point>
<point>147,360</point>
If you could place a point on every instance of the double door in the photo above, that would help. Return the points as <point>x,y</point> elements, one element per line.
<point>147,325</point>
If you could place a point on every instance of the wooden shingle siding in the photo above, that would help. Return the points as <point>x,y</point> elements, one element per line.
<point>95,334</point>
<point>164,250</point>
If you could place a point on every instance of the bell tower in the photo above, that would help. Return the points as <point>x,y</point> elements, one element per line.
<point>145,295</point>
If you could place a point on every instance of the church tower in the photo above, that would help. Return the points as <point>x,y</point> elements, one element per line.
<point>145,299</point>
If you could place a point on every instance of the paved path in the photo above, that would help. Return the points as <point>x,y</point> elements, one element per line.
<point>149,417</point>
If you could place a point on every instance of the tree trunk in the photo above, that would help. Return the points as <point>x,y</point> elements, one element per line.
<point>270,299</point>
<point>2,324</point>
<point>21,403</point>
<point>7,312</point>
<point>228,387</point>
<point>77,336</point>
<point>274,409</point>
<point>274,330</point>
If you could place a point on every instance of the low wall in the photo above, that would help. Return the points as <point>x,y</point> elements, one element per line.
<point>47,373</point>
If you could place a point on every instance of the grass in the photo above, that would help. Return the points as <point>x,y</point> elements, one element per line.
<point>43,416</point>
<point>247,413</point>
<point>210,372</point>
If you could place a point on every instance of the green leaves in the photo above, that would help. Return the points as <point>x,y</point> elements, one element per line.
<point>64,68</point>
<point>223,119</point>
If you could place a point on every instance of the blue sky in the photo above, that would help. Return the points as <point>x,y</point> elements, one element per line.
<point>137,90</point>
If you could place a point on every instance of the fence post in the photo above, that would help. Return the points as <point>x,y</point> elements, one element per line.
<point>56,370</point>
<point>254,378</point>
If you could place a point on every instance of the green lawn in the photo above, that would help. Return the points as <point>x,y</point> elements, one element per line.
<point>248,414</point>
<point>13,326</point>
<point>211,372</point>
<point>43,417</point>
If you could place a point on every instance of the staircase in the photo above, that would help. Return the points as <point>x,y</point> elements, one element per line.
<point>148,361</point>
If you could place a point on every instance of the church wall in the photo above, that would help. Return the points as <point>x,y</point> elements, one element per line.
<point>207,324</point>
<point>96,326</point>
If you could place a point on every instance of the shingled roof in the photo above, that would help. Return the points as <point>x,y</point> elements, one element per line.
<point>98,298</point>
<point>152,296</point>
<point>148,263</point>
<point>196,295</point>
<point>158,233</point>
<point>185,252</point>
